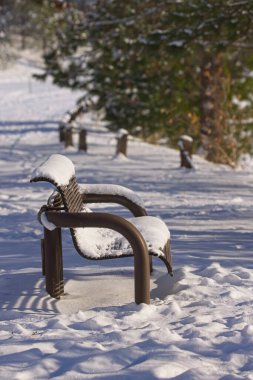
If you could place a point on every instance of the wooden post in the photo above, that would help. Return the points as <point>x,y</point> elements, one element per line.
<point>62,127</point>
<point>185,146</point>
<point>68,136</point>
<point>122,142</point>
<point>83,140</point>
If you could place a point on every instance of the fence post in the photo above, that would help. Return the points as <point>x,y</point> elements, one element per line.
<point>68,136</point>
<point>122,142</point>
<point>62,127</point>
<point>185,146</point>
<point>83,140</point>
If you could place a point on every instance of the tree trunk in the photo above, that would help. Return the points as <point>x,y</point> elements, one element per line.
<point>213,118</point>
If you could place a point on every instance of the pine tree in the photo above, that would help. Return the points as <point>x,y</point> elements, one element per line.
<point>65,55</point>
<point>169,67</point>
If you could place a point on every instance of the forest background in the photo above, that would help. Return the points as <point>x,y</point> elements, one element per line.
<point>158,68</point>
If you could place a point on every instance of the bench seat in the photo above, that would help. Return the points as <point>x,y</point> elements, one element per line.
<point>101,242</point>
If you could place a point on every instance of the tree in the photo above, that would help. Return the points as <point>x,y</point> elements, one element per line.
<point>211,35</point>
<point>65,57</point>
<point>170,67</point>
<point>4,29</point>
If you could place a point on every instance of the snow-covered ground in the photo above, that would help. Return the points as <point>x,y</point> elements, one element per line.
<point>199,324</point>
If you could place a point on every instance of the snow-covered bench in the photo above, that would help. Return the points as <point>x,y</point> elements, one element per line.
<point>97,235</point>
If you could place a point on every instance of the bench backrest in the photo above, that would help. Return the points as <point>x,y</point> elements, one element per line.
<point>69,196</point>
<point>59,171</point>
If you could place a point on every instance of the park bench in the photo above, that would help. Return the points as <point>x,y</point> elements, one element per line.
<point>97,235</point>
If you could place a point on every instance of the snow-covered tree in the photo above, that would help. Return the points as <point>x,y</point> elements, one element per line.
<point>169,67</point>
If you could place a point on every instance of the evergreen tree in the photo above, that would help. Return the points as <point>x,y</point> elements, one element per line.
<point>5,22</point>
<point>219,32</point>
<point>171,67</point>
<point>65,56</point>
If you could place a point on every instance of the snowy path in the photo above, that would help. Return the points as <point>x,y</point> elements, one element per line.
<point>199,325</point>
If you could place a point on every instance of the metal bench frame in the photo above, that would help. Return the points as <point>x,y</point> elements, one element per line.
<point>70,200</point>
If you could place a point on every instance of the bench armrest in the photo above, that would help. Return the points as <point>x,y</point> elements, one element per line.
<point>126,229</point>
<point>106,193</point>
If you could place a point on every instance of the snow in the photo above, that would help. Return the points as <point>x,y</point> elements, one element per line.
<point>241,104</point>
<point>110,189</point>
<point>178,43</point>
<point>101,242</point>
<point>45,222</point>
<point>57,168</point>
<point>122,132</point>
<point>200,322</point>
<point>186,138</point>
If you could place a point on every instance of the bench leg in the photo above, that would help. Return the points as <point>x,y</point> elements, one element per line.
<point>150,264</point>
<point>42,250</point>
<point>167,251</point>
<point>53,265</point>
